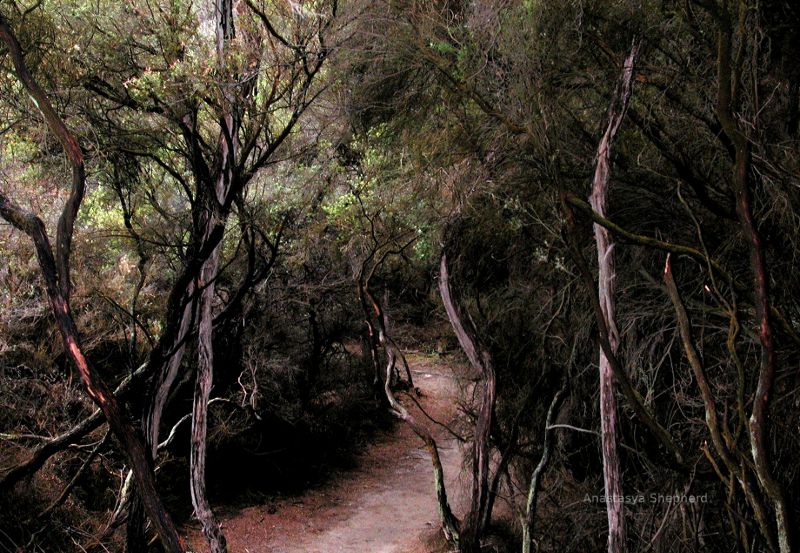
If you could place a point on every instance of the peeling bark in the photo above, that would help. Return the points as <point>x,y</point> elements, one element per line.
<point>167,376</point>
<point>609,421</point>
<point>202,391</point>
<point>212,529</point>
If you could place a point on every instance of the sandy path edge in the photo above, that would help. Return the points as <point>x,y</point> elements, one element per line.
<point>385,505</point>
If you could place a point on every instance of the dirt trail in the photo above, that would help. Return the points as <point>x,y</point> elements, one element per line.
<point>385,505</point>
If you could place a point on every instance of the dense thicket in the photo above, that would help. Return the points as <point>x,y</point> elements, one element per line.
<point>271,187</point>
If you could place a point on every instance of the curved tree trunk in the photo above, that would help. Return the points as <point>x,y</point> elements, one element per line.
<point>166,374</point>
<point>732,458</point>
<point>375,315</point>
<point>476,520</point>
<point>729,74</point>
<point>202,392</point>
<point>450,524</point>
<point>56,273</point>
<point>371,338</point>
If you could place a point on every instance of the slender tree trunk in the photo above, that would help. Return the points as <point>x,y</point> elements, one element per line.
<point>506,455</point>
<point>166,374</point>
<point>378,331</point>
<point>480,358</point>
<point>371,338</point>
<point>56,272</point>
<point>732,459</point>
<point>202,392</point>
<point>450,524</point>
<point>205,347</point>
<point>609,421</point>
<point>533,489</point>
<point>167,377</point>
<point>390,342</point>
<point>729,76</point>
<point>385,339</point>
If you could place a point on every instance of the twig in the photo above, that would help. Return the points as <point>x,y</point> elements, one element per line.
<point>81,471</point>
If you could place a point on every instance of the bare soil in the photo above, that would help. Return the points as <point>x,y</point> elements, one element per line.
<point>385,505</point>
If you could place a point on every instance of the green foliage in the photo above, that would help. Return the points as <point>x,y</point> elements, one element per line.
<point>434,126</point>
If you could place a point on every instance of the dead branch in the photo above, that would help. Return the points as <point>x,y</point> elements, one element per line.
<point>533,489</point>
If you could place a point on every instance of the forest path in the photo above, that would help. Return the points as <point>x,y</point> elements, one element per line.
<point>385,505</point>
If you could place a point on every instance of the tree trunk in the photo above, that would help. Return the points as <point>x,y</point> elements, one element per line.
<point>202,391</point>
<point>609,421</point>
<point>371,338</point>
<point>56,273</point>
<point>533,489</point>
<point>95,386</point>
<point>729,74</point>
<point>206,284</point>
<point>732,459</point>
<point>450,524</point>
<point>475,521</point>
<point>378,331</point>
<point>166,374</point>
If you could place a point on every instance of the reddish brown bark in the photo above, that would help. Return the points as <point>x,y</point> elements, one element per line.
<point>202,392</point>
<point>729,77</point>
<point>375,317</point>
<point>55,270</point>
<point>59,443</point>
<point>167,375</point>
<point>206,285</point>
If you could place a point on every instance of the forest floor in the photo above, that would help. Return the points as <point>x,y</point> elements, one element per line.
<point>386,504</point>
